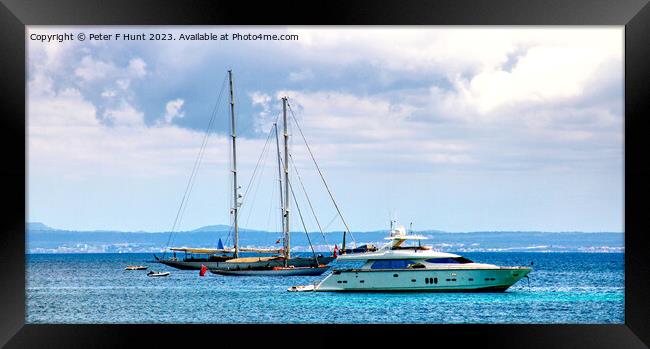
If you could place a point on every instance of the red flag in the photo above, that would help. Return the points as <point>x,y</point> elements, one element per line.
<point>336,249</point>
<point>203,270</point>
<point>278,241</point>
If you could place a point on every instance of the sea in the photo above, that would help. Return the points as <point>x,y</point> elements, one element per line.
<point>564,288</point>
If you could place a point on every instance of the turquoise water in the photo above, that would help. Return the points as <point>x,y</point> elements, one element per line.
<point>94,288</point>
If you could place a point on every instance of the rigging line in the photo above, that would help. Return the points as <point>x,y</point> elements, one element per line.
<point>302,221</point>
<point>271,207</point>
<point>212,117</point>
<point>197,163</point>
<point>279,158</point>
<point>264,150</point>
<point>320,173</point>
<point>256,184</point>
<point>331,221</point>
<point>311,207</point>
<point>277,147</point>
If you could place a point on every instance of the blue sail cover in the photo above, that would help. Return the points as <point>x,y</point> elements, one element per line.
<point>220,244</point>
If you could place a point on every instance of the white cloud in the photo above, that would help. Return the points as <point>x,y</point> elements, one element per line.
<point>263,119</point>
<point>124,115</point>
<point>90,69</point>
<point>138,67</point>
<point>108,93</point>
<point>477,90</point>
<point>173,110</point>
<point>302,75</point>
<point>123,83</point>
<point>352,131</point>
<point>66,138</point>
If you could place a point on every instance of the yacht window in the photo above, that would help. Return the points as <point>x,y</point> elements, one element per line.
<point>435,280</point>
<point>452,260</point>
<point>391,264</point>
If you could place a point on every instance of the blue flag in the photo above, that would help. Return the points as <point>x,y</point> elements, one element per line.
<point>220,244</point>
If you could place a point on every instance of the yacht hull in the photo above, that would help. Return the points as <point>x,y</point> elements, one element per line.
<point>192,264</point>
<point>270,272</point>
<point>221,265</point>
<point>423,280</point>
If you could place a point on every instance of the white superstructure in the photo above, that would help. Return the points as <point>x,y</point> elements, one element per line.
<point>396,267</point>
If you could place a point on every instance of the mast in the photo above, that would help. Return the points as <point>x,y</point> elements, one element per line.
<point>277,146</point>
<point>287,238</point>
<point>235,189</point>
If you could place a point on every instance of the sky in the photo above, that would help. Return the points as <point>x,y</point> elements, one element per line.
<point>448,128</point>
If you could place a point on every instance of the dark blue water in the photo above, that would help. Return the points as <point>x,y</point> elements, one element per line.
<point>94,288</point>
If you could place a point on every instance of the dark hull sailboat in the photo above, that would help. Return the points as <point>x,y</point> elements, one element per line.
<point>227,262</point>
<point>191,263</point>
<point>275,271</point>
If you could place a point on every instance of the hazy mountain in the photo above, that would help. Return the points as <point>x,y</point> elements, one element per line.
<point>42,239</point>
<point>37,226</point>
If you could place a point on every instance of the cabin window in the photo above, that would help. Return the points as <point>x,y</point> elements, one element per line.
<point>395,275</point>
<point>412,280</point>
<point>435,280</point>
<point>361,281</point>
<point>426,280</point>
<point>391,264</point>
<point>449,260</point>
<point>470,279</point>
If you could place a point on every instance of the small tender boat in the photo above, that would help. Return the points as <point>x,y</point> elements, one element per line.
<point>274,271</point>
<point>136,267</point>
<point>306,288</point>
<point>157,273</point>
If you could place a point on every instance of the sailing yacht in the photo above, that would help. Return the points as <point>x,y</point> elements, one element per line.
<point>395,267</point>
<point>269,265</point>
<point>221,258</point>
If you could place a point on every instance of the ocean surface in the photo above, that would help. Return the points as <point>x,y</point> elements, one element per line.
<point>585,288</point>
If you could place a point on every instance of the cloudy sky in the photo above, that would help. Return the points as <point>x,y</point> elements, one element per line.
<point>451,128</point>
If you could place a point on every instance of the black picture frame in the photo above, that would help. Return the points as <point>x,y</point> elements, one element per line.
<point>16,14</point>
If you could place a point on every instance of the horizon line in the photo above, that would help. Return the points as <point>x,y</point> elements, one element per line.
<point>327,232</point>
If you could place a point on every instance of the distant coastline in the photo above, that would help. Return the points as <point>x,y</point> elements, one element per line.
<point>44,239</point>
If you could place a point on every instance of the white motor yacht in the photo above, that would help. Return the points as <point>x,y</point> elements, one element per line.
<point>396,267</point>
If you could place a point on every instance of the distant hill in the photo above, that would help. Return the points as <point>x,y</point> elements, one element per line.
<point>37,226</point>
<point>43,239</point>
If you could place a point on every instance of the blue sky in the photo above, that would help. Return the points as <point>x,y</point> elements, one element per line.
<point>451,128</point>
